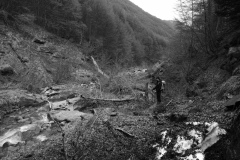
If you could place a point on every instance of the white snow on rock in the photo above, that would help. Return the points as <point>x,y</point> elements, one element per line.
<point>213,125</point>
<point>12,136</point>
<point>164,133</point>
<point>214,133</point>
<point>160,152</point>
<point>197,135</point>
<point>197,156</point>
<point>182,145</point>
<point>194,123</point>
<point>41,138</point>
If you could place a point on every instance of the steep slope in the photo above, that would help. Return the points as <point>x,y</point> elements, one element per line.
<point>115,32</point>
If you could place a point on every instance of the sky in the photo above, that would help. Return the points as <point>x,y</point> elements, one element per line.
<point>163,9</point>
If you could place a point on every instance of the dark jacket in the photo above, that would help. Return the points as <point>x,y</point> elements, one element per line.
<point>158,86</point>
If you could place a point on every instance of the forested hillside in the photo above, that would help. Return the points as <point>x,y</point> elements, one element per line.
<point>113,31</point>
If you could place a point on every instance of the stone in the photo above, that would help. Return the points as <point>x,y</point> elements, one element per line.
<point>39,41</point>
<point>6,70</point>
<point>70,116</point>
<point>234,52</point>
<point>232,104</point>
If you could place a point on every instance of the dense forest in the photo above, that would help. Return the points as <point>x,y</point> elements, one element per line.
<point>113,31</point>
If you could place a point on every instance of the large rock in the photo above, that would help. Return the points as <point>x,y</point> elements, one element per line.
<point>6,70</point>
<point>70,116</point>
<point>233,103</point>
<point>231,86</point>
<point>234,52</point>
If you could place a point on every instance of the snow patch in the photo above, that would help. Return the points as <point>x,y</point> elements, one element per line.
<point>41,138</point>
<point>197,156</point>
<point>182,145</point>
<point>197,135</point>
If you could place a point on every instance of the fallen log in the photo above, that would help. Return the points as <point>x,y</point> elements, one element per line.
<point>98,68</point>
<point>111,100</point>
<point>125,133</point>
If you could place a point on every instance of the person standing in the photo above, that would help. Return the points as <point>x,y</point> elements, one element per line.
<point>159,88</point>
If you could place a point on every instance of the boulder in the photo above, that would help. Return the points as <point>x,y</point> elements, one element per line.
<point>234,52</point>
<point>6,70</point>
<point>231,86</point>
<point>70,116</point>
<point>233,103</point>
<point>39,41</point>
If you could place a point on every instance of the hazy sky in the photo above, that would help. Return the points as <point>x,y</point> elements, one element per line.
<point>163,9</point>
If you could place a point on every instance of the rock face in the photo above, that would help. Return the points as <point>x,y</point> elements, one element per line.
<point>6,70</point>
<point>36,62</point>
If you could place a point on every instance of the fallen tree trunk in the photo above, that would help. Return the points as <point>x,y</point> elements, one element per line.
<point>112,100</point>
<point>98,69</point>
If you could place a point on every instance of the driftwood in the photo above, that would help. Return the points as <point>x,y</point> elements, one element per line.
<point>125,133</point>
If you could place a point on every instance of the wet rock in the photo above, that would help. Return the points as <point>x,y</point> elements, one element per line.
<point>6,70</point>
<point>70,116</point>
